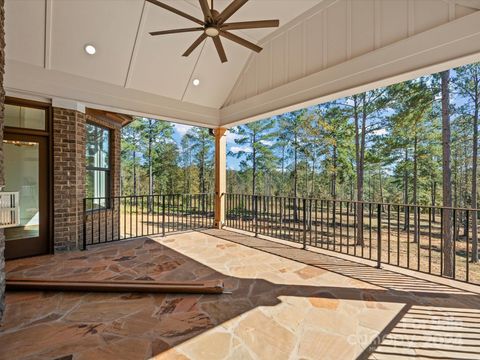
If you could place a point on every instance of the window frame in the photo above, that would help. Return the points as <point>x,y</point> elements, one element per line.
<point>107,171</point>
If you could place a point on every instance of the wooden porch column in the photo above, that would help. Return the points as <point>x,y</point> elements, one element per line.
<point>220,175</point>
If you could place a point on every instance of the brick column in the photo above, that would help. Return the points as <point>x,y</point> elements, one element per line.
<point>68,177</point>
<point>2,104</point>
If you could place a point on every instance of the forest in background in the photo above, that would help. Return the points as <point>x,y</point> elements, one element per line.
<point>383,145</point>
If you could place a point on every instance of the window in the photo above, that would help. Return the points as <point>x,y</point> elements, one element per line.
<point>25,117</point>
<point>98,167</point>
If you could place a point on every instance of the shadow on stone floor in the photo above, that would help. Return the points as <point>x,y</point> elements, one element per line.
<point>40,325</point>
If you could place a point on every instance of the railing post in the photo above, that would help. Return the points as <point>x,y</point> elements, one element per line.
<point>255,213</point>
<point>84,246</point>
<point>304,224</point>
<point>379,236</point>
<point>163,215</point>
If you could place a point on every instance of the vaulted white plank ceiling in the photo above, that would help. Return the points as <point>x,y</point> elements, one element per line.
<point>136,73</point>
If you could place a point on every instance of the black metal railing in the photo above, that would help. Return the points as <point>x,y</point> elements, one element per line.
<point>408,236</point>
<point>126,217</point>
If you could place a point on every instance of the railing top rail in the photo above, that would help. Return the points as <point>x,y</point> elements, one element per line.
<point>146,195</point>
<point>359,202</point>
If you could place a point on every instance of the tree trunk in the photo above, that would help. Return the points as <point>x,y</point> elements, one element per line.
<point>474,172</point>
<point>295,185</point>
<point>334,175</point>
<point>150,168</point>
<point>360,155</point>
<point>447,192</point>
<point>416,229</point>
<point>134,173</point>
<point>254,165</point>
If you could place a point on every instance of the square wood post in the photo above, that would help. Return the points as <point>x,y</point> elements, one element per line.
<point>220,175</point>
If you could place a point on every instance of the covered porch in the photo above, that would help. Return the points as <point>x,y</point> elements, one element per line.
<point>280,302</point>
<point>316,291</point>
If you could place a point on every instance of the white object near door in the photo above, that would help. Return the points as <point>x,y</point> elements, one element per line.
<point>9,209</point>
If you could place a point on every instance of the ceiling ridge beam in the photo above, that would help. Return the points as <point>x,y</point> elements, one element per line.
<point>48,34</point>
<point>133,56</point>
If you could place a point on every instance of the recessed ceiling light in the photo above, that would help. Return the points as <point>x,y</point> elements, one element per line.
<point>196,82</point>
<point>90,49</point>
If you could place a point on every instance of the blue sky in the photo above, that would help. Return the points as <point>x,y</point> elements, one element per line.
<point>232,162</point>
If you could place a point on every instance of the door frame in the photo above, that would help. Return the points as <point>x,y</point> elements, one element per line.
<point>47,135</point>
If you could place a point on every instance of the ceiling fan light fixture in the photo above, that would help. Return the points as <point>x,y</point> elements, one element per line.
<point>212,31</point>
<point>196,82</point>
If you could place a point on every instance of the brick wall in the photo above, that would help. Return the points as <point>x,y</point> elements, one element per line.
<point>69,137</point>
<point>68,176</point>
<point>2,102</point>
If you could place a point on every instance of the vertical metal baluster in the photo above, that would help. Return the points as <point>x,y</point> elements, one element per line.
<point>141,206</point>
<point>441,241</point>
<point>113,213</point>
<point>321,224</point>
<point>341,225</point>
<point>84,228</point>
<point>418,236</point>
<point>407,214</point>
<point>454,242</point>
<point>334,222</point>
<point>316,222</point>
<point>355,232</point>
<point>328,224</point>
<point>388,234</point>
<point>304,204</point>
<point>467,237</point>
<point>370,230</point>
<point>398,235</point>
<point>379,236</point>
<point>348,227</point>
<point>105,238</point>
<point>429,240</point>
<point>163,215</point>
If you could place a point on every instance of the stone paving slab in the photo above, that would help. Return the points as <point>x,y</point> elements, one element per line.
<point>285,303</point>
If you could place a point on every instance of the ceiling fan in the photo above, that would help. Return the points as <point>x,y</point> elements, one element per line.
<point>214,25</point>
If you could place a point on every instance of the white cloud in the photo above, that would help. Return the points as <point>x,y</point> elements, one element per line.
<point>267,142</point>
<point>237,149</point>
<point>182,129</point>
<point>232,136</point>
<point>379,132</point>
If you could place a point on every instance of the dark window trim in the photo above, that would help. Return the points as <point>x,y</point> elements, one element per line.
<point>108,171</point>
<point>48,133</point>
<point>34,105</point>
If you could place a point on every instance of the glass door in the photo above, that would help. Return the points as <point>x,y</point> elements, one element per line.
<point>26,172</point>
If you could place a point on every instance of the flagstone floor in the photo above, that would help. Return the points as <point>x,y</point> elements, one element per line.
<point>283,303</point>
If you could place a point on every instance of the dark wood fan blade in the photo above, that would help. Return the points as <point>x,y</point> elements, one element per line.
<point>178,12</point>
<point>176,31</point>
<point>195,44</point>
<point>240,41</point>
<point>231,9</point>
<point>207,13</point>
<point>251,24</point>
<point>220,49</point>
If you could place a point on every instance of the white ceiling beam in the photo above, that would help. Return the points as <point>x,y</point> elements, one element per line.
<point>136,44</point>
<point>34,80</point>
<point>449,45</point>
